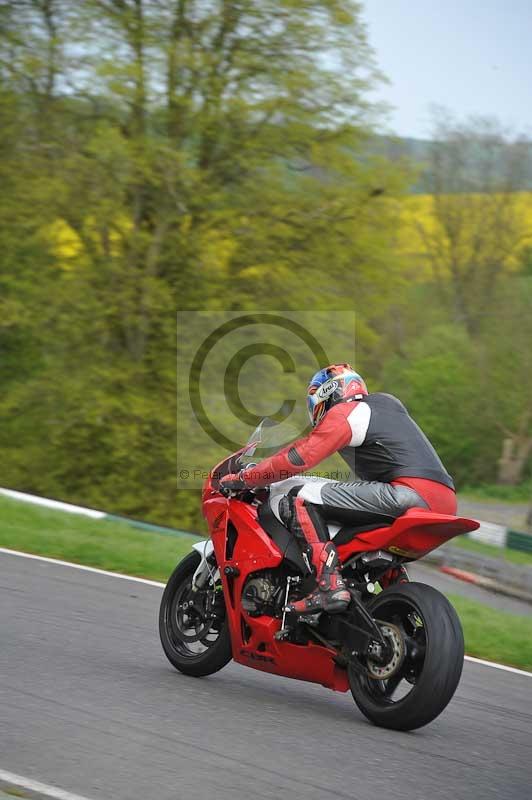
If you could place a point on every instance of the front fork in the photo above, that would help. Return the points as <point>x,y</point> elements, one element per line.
<point>204,571</point>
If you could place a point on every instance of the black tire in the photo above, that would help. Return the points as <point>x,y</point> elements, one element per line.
<point>433,675</point>
<point>218,652</point>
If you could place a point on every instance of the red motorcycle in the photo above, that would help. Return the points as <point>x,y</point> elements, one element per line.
<point>399,647</point>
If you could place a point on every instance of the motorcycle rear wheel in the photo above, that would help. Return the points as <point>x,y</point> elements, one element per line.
<point>430,672</point>
<point>193,645</point>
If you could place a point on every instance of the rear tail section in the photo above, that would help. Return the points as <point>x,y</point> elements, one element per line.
<point>411,536</point>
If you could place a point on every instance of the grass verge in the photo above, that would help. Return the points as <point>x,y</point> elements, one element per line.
<point>104,544</point>
<point>496,493</point>
<point>495,635</point>
<point>490,634</point>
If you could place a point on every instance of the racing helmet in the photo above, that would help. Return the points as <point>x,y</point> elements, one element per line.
<point>331,385</point>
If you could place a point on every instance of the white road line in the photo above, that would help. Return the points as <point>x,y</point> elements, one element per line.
<point>58,505</point>
<point>498,666</point>
<point>36,786</point>
<point>82,567</point>
<point>480,661</point>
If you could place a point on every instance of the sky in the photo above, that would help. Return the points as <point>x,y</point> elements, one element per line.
<point>470,57</point>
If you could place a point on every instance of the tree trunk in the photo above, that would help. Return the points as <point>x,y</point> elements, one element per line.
<point>529,518</point>
<point>515,453</point>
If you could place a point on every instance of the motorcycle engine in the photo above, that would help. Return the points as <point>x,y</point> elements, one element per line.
<point>261,593</point>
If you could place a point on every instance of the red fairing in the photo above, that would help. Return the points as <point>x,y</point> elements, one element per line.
<point>252,637</point>
<point>412,535</point>
<point>330,435</point>
<point>242,546</point>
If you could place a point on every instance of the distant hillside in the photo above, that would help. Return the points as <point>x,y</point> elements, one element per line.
<point>419,150</point>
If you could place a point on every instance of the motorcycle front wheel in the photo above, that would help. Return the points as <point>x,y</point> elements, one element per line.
<point>193,626</point>
<point>430,658</point>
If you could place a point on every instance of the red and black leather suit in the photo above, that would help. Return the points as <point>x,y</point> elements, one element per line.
<point>397,466</point>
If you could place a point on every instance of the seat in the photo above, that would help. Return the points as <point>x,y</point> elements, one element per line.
<point>348,532</point>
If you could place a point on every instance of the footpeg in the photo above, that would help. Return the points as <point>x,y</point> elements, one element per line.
<point>281,634</point>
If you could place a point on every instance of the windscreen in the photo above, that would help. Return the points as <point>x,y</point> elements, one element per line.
<point>267,438</point>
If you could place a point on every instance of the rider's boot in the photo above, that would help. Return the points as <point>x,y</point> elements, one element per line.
<point>331,594</point>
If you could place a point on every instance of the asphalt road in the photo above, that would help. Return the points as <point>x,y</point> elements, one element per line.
<point>88,703</point>
<point>449,585</point>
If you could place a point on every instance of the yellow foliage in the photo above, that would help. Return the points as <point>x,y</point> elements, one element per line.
<point>65,243</point>
<point>116,232</point>
<point>420,229</point>
<point>69,248</point>
<point>217,251</point>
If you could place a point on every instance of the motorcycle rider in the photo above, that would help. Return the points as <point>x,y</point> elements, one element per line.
<point>373,432</point>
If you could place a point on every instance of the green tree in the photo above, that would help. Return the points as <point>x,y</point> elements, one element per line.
<point>481,220</point>
<point>436,377</point>
<point>161,155</point>
<point>505,377</point>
